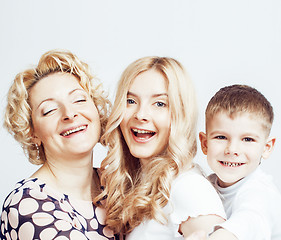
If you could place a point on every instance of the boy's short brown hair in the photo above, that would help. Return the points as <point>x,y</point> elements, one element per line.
<point>236,99</point>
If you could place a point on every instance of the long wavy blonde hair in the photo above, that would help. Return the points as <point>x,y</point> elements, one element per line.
<point>134,193</point>
<point>18,111</point>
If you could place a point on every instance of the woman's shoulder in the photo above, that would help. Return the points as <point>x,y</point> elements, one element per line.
<point>193,187</point>
<point>28,191</point>
<point>194,176</point>
<point>193,195</point>
<point>21,189</point>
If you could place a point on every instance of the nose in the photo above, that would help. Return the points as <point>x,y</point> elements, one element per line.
<point>142,113</point>
<point>232,149</point>
<point>68,113</point>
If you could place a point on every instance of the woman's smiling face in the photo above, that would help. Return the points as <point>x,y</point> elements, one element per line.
<point>147,118</point>
<point>64,117</point>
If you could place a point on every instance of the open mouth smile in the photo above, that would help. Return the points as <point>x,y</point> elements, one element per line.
<point>74,130</point>
<point>142,134</point>
<point>231,164</point>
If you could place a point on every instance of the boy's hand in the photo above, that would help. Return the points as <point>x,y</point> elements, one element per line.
<point>200,235</point>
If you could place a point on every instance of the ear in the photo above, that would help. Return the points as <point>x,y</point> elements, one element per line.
<point>268,148</point>
<point>36,140</point>
<point>203,141</point>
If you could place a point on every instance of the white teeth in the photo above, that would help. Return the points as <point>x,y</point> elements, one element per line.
<point>141,131</point>
<point>229,164</point>
<point>73,130</point>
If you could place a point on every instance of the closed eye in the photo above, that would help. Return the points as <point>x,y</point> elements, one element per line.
<point>80,100</point>
<point>48,112</point>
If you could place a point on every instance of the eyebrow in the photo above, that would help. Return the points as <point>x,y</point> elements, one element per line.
<point>51,99</point>
<point>154,95</point>
<point>246,134</point>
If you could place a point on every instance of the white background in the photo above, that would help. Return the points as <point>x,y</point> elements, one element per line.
<point>220,42</point>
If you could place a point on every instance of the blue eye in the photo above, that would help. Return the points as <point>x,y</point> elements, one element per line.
<point>130,101</point>
<point>248,139</point>
<point>221,137</point>
<point>160,104</point>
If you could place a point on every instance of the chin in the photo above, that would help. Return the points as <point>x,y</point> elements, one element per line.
<point>140,156</point>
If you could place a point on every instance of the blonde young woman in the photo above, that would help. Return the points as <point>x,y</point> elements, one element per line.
<point>57,112</point>
<point>153,189</point>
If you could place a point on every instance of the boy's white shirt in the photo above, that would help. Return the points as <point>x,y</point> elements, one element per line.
<point>253,207</point>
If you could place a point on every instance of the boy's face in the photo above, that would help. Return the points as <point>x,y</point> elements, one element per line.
<point>235,146</point>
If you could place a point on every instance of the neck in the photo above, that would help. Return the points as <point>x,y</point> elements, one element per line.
<point>73,177</point>
<point>143,162</point>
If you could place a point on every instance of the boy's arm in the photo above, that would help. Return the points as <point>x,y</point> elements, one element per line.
<point>220,234</point>
<point>200,235</point>
<point>201,223</point>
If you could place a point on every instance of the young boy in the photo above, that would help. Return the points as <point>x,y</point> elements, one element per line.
<point>238,124</point>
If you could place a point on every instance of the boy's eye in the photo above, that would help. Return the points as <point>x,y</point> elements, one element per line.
<point>130,101</point>
<point>160,104</point>
<point>221,137</point>
<point>248,139</point>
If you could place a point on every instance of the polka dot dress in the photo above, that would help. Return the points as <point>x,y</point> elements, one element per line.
<point>34,211</point>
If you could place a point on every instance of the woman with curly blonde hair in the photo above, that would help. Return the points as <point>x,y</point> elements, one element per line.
<point>152,188</point>
<point>57,111</point>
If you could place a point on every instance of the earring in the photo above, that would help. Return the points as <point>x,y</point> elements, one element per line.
<point>38,152</point>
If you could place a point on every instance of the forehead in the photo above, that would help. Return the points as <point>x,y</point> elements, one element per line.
<point>244,121</point>
<point>147,82</point>
<point>55,85</point>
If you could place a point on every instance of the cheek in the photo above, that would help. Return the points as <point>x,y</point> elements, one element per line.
<point>165,126</point>
<point>167,129</point>
<point>46,126</point>
<point>217,146</point>
<point>164,120</point>
<point>126,118</point>
<point>214,150</point>
<point>94,115</point>
<point>42,132</point>
<point>39,130</point>
<point>254,153</point>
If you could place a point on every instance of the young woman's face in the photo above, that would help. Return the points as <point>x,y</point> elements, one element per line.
<point>146,123</point>
<point>64,117</point>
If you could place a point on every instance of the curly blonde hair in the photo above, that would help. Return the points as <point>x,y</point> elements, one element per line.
<point>131,197</point>
<point>18,119</point>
